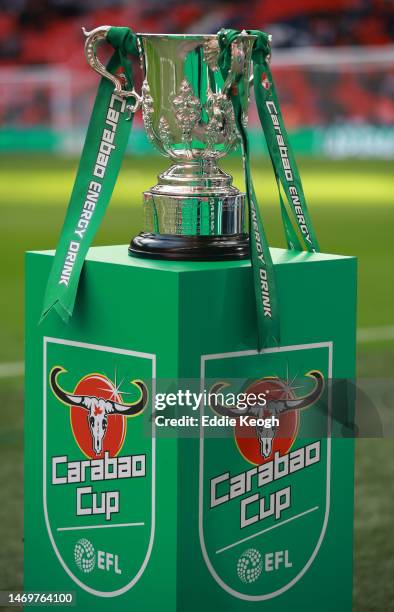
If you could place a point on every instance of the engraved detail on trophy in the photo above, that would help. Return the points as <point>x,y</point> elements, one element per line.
<point>147,110</point>
<point>221,126</point>
<point>187,111</point>
<point>234,134</point>
<point>216,122</point>
<point>164,133</point>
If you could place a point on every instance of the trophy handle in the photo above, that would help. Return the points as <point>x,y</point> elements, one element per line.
<point>237,62</point>
<point>268,58</point>
<point>93,39</point>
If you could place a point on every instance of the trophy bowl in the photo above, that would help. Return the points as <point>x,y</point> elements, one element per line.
<point>194,211</point>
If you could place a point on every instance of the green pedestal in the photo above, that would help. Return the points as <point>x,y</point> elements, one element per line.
<point>186,523</point>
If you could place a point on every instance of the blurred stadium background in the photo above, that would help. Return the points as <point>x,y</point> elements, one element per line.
<point>333,61</point>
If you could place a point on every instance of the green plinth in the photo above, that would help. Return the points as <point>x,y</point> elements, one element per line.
<point>142,521</point>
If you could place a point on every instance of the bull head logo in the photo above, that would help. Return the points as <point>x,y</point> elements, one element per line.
<point>98,409</point>
<point>273,407</point>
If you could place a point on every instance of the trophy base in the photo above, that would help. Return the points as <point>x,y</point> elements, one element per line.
<point>190,248</point>
<point>193,213</point>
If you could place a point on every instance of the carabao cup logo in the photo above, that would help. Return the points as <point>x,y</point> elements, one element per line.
<point>98,412</point>
<point>264,491</point>
<point>99,468</point>
<point>258,444</point>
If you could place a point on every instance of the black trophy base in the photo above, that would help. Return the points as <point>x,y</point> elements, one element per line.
<point>190,248</point>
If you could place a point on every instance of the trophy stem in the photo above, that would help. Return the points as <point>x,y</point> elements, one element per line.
<point>193,213</point>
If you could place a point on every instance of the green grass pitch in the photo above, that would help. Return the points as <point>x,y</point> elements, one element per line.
<point>352,207</point>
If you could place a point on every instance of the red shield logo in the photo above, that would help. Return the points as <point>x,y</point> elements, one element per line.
<point>259,441</point>
<point>98,412</point>
<point>248,442</point>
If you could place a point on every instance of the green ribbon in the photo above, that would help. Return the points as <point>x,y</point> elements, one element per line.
<point>103,151</point>
<point>286,174</point>
<point>263,271</point>
<point>280,150</point>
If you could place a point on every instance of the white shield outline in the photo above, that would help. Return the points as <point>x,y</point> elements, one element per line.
<point>119,351</point>
<point>217,578</point>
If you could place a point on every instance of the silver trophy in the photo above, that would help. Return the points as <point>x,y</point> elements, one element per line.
<point>194,211</point>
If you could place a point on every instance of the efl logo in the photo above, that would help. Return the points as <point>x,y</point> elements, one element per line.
<point>258,444</point>
<point>252,563</point>
<point>86,559</point>
<point>249,566</point>
<point>84,555</point>
<point>98,412</point>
